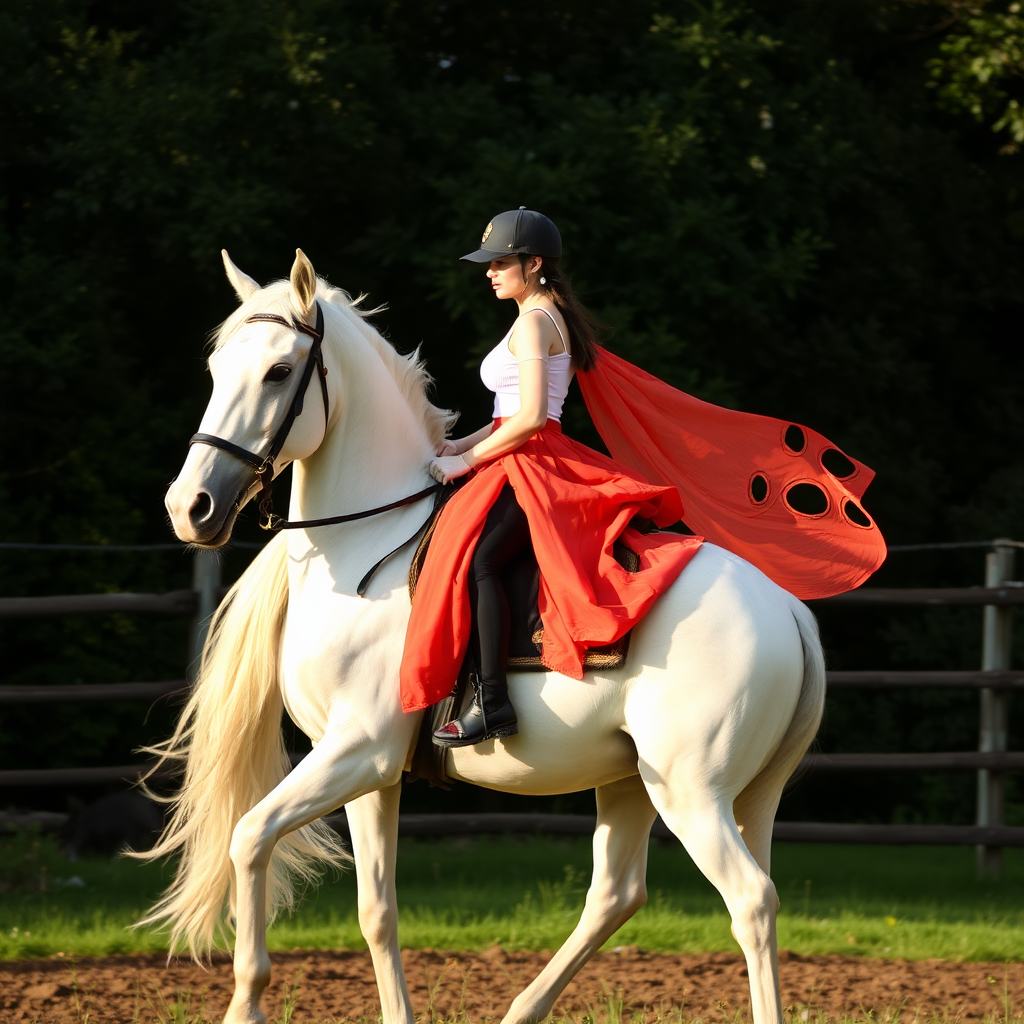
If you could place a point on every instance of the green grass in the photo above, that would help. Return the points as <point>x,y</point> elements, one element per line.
<point>474,893</point>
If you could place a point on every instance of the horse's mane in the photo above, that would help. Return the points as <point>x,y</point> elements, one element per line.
<point>409,372</point>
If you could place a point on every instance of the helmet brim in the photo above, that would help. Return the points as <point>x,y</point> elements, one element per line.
<point>486,255</point>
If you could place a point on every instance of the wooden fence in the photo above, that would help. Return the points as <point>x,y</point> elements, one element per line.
<point>992,760</point>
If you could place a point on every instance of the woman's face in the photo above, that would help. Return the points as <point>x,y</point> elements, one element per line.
<point>506,276</point>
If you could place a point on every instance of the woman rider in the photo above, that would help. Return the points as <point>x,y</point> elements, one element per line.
<point>529,371</point>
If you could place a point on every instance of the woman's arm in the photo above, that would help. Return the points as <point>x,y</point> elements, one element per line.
<point>531,352</point>
<point>456,446</point>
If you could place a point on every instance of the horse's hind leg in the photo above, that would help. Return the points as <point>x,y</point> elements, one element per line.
<point>618,889</point>
<point>754,810</point>
<point>373,825</point>
<point>704,823</point>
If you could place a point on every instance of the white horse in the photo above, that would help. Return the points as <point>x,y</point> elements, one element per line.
<point>720,695</point>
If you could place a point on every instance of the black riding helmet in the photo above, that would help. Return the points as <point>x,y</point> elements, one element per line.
<point>518,231</point>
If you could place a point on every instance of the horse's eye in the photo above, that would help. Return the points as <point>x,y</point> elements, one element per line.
<point>278,372</point>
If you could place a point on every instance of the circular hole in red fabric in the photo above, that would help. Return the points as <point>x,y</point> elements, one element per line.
<point>856,514</point>
<point>758,488</point>
<point>807,499</point>
<point>794,438</point>
<point>837,463</point>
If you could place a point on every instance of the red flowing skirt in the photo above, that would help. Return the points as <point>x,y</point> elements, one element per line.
<point>578,503</point>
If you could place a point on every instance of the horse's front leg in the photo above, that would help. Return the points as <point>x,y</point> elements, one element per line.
<point>373,825</point>
<point>343,766</point>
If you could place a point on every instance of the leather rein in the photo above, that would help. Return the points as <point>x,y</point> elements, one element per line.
<point>264,465</point>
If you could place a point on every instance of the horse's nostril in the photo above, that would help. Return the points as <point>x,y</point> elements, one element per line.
<point>201,508</point>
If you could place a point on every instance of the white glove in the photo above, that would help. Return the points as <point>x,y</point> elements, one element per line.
<point>446,468</point>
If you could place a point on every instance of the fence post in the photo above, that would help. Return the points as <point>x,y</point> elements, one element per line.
<point>205,581</point>
<point>995,707</point>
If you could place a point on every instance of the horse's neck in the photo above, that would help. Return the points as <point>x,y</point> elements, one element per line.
<point>375,451</point>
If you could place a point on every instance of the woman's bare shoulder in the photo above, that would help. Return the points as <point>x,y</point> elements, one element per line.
<point>537,329</point>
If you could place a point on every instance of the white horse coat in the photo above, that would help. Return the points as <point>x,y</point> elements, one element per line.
<point>720,696</point>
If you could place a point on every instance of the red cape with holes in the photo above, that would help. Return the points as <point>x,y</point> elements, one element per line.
<point>779,495</point>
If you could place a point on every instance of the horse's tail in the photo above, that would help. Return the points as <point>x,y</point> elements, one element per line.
<point>757,804</point>
<point>230,741</point>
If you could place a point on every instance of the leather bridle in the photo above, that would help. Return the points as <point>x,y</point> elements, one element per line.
<point>264,465</point>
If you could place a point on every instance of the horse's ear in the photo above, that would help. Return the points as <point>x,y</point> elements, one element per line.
<point>243,284</point>
<point>303,279</point>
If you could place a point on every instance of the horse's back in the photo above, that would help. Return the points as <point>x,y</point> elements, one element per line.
<point>722,620</point>
<point>714,667</point>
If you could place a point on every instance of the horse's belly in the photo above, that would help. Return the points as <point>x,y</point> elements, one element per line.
<point>570,738</point>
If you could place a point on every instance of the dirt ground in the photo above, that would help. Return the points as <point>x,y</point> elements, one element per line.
<point>340,986</point>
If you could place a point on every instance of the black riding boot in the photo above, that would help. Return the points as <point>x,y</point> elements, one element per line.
<point>490,715</point>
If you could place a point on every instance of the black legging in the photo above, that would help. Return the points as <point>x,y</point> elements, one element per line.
<point>506,533</point>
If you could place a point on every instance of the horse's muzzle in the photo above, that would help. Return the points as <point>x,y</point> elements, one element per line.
<point>203,503</point>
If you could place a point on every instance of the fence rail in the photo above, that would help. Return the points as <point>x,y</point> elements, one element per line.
<point>75,776</point>
<point>446,825</point>
<point>441,825</point>
<point>996,679</point>
<point>995,761</point>
<point>991,760</point>
<point>174,602</point>
<point>1001,596</point>
<point>90,692</point>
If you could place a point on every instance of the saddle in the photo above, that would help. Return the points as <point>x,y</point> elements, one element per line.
<point>521,579</point>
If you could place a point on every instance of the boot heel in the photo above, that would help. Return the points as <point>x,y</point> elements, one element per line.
<point>503,733</point>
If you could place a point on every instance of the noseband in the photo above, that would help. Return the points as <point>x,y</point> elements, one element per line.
<point>264,465</point>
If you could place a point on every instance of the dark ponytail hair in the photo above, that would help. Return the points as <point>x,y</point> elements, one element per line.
<point>583,325</point>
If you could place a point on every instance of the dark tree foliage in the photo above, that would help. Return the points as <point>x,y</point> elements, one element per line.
<point>801,209</point>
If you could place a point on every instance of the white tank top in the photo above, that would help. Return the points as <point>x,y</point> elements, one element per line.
<point>500,373</point>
